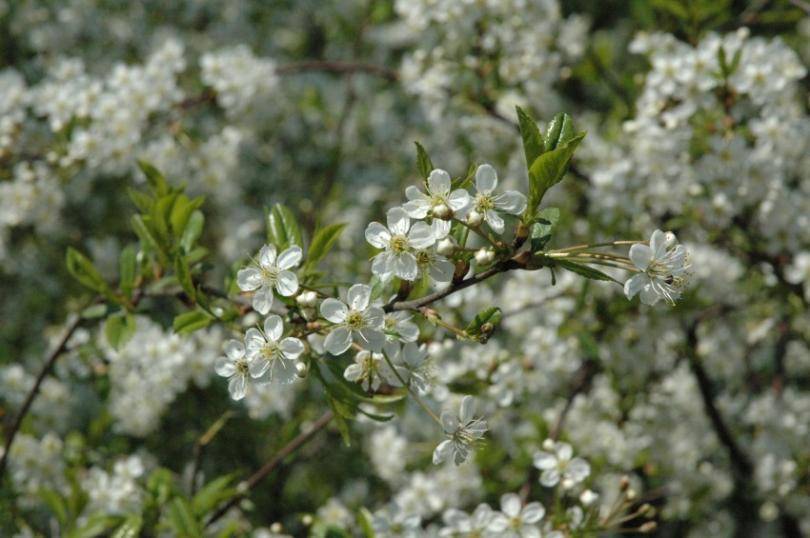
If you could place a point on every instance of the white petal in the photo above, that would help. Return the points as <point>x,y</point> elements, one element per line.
<point>467,409</point>
<point>263,300</point>
<point>287,283</point>
<point>421,236</point>
<point>338,341</point>
<point>441,270</point>
<point>248,279</point>
<point>550,477</point>
<point>499,523</point>
<point>408,331</point>
<point>544,460</point>
<point>398,221</point>
<point>440,228</point>
<point>374,317</point>
<point>641,255</point>
<point>267,256</point>
<point>292,347</point>
<point>634,284</point>
<point>358,296</point>
<point>533,512</point>
<point>372,339</point>
<point>224,367</point>
<point>417,209</point>
<point>254,341</point>
<point>405,266</point>
<point>648,295</point>
<point>449,422</point>
<point>290,257</point>
<point>273,327</point>
<point>442,451</point>
<point>353,372</point>
<point>494,220</point>
<point>334,310</point>
<point>258,366</point>
<point>510,504</point>
<point>658,243</point>
<point>283,372</point>
<point>511,202</point>
<point>234,349</point>
<point>237,387</point>
<point>439,182</point>
<point>382,265</point>
<point>564,451</point>
<point>486,179</point>
<point>578,469</point>
<point>378,235</point>
<point>458,199</point>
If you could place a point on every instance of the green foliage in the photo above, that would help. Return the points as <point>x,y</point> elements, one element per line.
<point>423,162</point>
<point>82,269</point>
<point>322,242</point>
<point>484,324</point>
<point>543,228</point>
<point>282,227</point>
<point>119,328</point>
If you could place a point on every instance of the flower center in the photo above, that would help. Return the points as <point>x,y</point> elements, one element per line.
<point>354,320</point>
<point>484,202</point>
<point>269,275</point>
<point>399,244</point>
<point>241,366</point>
<point>423,257</point>
<point>269,351</point>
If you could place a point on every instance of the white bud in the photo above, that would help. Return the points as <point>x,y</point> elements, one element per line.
<point>474,218</point>
<point>548,444</point>
<point>301,369</point>
<point>446,246</point>
<point>669,239</point>
<point>484,256</point>
<point>307,299</point>
<point>441,211</point>
<point>588,497</point>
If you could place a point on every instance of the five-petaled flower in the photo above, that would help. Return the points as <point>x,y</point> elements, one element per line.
<point>356,319</point>
<point>440,201</point>
<point>236,367</point>
<point>270,355</point>
<point>515,520</point>
<point>559,465</point>
<point>269,272</point>
<point>462,431</point>
<point>398,240</point>
<point>487,205</point>
<point>663,269</point>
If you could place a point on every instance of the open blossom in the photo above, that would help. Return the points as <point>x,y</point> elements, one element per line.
<point>398,327</point>
<point>270,355</point>
<point>235,366</point>
<point>462,431</point>
<point>515,520</point>
<point>357,319</point>
<point>435,266</point>
<point>663,269</point>
<point>370,370</point>
<point>439,201</point>
<point>398,240</point>
<point>412,358</point>
<point>559,466</point>
<point>487,205</point>
<point>460,523</point>
<point>270,272</point>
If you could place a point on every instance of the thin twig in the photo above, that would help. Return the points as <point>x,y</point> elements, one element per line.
<point>72,324</point>
<point>263,471</point>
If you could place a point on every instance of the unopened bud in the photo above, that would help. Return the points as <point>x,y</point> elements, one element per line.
<point>301,369</point>
<point>276,528</point>
<point>474,218</point>
<point>648,527</point>
<point>307,299</point>
<point>446,246</point>
<point>624,483</point>
<point>548,444</point>
<point>588,497</point>
<point>484,256</point>
<point>647,510</point>
<point>441,211</point>
<point>306,519</point>
<point>631,494</point>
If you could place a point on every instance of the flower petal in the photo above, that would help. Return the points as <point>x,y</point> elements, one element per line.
<point>421,236</point>
<point>486,179</point>
<point>440,228</point>
<point>544,460</point>
<point>641,255</point>
<point>439,182</point>
<point>290,257</point>
<point>372,339</point>
<point>249,279</point>
<point>398,221</point>
<point>405,266</point>
<point>441,270</point>
<point>258,366</point>
<point>458,199</point>
<point>334,310</point>
<point>532,512</point>
<point>338,341</point>
<point>378,235</point>
<point>634,284</point>
<point>658,243</point>
<point>442,451</point>
<point>374,317</point>
<point>273,327</point>
<point>237,387</point>
<point>467,409</point>
<point>224,367</point>
<point>267,256</point>
<point>358,296</point>
<point>291,347</point>
<point>494,220</point>
<point>287,283</point>
<point>254,341</point>
<point>263,300</point>
<point>511,202</point>
<point>234,349</point>
<point>510,504</point>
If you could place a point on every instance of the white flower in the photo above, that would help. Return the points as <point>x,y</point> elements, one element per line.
<point>439,198</point>
<point>487,204</point>
<point>399,240</point>
<point>459,523</point>
<point>357,319</point>
<point>462,430</point>
<point>269,354</point>
<point>370,370</point>
<point>270,272</point>
<point>558,465</point>
<point>234,365</point>
<point>436,266</point>
<point>515,521</point>
<point>398,327</point>
<point>393,522</point>
<point>413,359</point>
<point>664,269</point>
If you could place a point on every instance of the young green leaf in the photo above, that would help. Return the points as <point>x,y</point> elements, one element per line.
<point>560,131</point>
<point>182,519</point>
<point>541,230</point>
<point>322,242</point>
<point>548,170</point>
<point>82,269</point>
<point>127,269</point>
<point>119,328</point>
<point>533,145</point>
<point>586,271</point>
<point>282,227</point>
<point>188,322</point>
<point>154,178</point>
<point>183,274</point>
<point>192,231</point>
<point>423,162</point>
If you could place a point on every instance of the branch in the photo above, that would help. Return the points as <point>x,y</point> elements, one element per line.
<point>73,323</point>
<point>300,440</point>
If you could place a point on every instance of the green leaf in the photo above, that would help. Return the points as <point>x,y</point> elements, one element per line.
<point>127,269</point>
<point>183,274</point>
<point>542,229</point>
<point>82,269</point>
<point>95,525</point>
<point>188,322</point>
<point>548,170</point>
<point>533,145</point>
<point>423,162</point>
<point>119,328</point>
<point>192,231</point>
<point>182,519</point>
<point>282,228</point>
<point>94,312</point>
<point>148,241</point>
<point>142,201</point>
<point>212,494</point>
<point>365,522</point>
<point>181,213</point>
<point>484,323</point>
<point>560,131</point>
<point>129,528</point>
<point>585,270</point>
<point>322,242</point>
<point>56,504</point>
<point>154,178</point>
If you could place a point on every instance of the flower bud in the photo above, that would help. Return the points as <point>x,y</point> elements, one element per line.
<point>446,246</point>
<point>301,369</point>
<point>588,497</point>
<point>624,483</point>
<point>441,211</point>
<point>648,527</point>
<point>548,444</point>
<point>307,299</point>
<point>474,218</point>
<point>484,256</point>
<point>631,494</point>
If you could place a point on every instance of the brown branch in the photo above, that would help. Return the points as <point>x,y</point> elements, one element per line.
<point>73,323</point>
<point>263,471</point>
